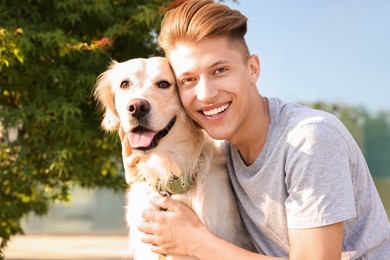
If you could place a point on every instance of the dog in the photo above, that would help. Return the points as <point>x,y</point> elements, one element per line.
<point>165,152</point>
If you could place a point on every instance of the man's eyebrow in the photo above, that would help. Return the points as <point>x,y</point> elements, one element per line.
<point>183,74</point>
<point>219,62</point>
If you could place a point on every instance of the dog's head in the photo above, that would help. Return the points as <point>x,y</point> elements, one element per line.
<point>141,98</point>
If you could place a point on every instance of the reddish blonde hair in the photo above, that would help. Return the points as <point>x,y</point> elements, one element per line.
<point>196,20</point>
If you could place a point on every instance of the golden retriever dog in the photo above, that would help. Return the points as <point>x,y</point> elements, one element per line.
<point>164,151</point>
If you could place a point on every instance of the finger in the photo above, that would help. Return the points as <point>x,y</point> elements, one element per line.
<point>157,249</point>
<point>149,239</point>
<point>154,206</point>
<point>152,215</point>
<point>146,227</point>
<point>166,203</point>
<point>167,250</point>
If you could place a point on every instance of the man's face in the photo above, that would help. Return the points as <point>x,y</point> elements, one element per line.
<point>215,85</point>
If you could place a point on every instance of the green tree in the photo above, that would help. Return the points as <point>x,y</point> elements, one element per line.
<point>51,52</point>
<point>377,135</point>
<point>352,117</point>
<point>370,130</point>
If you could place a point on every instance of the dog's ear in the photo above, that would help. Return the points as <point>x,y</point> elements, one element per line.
<point>105,97</point>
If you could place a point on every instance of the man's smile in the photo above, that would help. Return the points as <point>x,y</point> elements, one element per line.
<point>216,111</point>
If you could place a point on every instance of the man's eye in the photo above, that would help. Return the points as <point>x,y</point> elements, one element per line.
<point>187,81</point>
<point>220,70</point>
<point>125,84</point>
<point>163,84</point>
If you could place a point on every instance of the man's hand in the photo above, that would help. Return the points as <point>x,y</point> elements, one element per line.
<point>176,231</point>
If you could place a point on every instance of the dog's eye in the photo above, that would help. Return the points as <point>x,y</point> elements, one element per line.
<point>125,84</point>
<point>163,84</point>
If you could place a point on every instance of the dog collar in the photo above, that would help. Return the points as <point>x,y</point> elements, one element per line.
<point>176,185</point>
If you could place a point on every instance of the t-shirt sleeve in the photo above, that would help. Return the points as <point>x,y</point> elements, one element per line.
<point>318,177</point>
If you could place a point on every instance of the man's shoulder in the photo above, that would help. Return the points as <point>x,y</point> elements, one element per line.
<point>295,114</point>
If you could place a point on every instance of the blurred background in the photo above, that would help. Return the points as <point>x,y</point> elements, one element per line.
<point>61,175</point>
<point>332,55</point>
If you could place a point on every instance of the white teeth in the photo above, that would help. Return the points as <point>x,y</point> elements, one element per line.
<point>214,112</point>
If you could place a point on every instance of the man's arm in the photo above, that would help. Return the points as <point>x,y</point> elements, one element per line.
<point>316,243</point>
<point>178,231</point>
<point>312,244</point>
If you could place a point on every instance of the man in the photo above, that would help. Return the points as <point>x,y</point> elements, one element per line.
<point>302,184</point>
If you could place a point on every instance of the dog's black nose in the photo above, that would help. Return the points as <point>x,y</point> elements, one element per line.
<point>138,107</point>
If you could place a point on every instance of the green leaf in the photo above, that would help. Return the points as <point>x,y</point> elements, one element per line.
<point>48,70</point>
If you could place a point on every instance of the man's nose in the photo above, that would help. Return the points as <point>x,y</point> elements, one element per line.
<point>205,91</point>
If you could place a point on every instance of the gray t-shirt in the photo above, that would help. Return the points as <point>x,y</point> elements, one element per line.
<point>310,173</point>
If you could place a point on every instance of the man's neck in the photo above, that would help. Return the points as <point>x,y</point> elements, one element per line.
<point>254,138</point>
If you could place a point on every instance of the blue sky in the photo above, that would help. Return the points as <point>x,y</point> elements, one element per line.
<point>325,50</point>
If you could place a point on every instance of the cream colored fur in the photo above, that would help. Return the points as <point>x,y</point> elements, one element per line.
<point>184,150</point>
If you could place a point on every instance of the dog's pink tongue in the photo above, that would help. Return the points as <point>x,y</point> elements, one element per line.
<point>141,139</point>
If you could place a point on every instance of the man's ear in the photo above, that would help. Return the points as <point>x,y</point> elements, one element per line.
<point>254,68</point>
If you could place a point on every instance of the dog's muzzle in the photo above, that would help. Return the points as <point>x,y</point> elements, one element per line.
<point>138,108</point>
<point>141,138</point>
